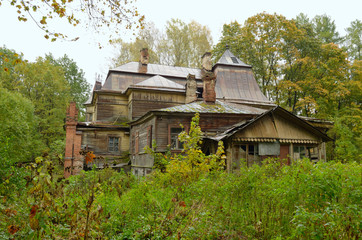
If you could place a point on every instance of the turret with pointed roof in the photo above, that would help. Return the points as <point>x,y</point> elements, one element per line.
<point>235,81</point>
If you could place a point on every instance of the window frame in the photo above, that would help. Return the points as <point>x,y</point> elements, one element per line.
<point>113,144</point>
<point>176,126</point>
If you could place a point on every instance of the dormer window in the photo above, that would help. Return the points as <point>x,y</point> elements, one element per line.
<point>234,60</point>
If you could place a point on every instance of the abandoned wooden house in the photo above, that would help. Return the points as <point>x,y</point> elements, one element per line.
<point>141,102</point>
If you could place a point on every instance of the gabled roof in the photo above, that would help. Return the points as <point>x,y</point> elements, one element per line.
<point>296,120</point>
<point>229,59</point>
<point>217,107</point>
<point>158,69</point>
<point>159,82</point>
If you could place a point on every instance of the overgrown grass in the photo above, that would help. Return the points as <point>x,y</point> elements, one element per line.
<point>273,201</point>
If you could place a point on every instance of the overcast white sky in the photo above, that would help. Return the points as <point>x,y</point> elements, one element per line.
<point>28,39</point>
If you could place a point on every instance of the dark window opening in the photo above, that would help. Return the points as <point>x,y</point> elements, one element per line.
<point>199,92</point>
<point>175,142</point>
<point>234,60</point>
<point>113,144</point>
<point>299,152</point>
<point>149,136</point>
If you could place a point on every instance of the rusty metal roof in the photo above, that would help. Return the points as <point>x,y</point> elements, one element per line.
<point>217,107</point>
<point>159,82</point>
<point>158,69</point>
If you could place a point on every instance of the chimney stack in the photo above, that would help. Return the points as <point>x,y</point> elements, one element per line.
<point>144,56</point>
<point>191,89</point>
<point>73,160</point>
<point>206,62</point>
<point>97,85</point>
<point>208,79</point>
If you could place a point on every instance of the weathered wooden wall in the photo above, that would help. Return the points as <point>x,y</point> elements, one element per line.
<point>142,101</point>
<point>142,135</point>
<point>276,127</point>
<point>111,108</point>
<point>97,141</point>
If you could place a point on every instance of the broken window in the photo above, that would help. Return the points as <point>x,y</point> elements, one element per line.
<point>174,141</point>
<point>113,144</point>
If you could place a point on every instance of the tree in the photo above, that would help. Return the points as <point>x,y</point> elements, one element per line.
<point>79,87</point>
<point>181,45</point>
<point>354,40</point>
<point>45,86</point>
<point>325,28</point>
<point>99,13</point>
<point>18,137</point>
<point>302,72</point>
<point>264,41</point>
<point>8,60</point>
<point>148,37</point>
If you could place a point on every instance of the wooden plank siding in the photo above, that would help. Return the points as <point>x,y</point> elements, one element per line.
<point>112,108</point>
<point>97,141</point>
<point>141,102</point>
<point>274,126</point>
<point>142,132</point>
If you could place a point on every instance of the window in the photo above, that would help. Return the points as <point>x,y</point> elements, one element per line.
<point>133,143</point>
<point>234,60</point>
<point>200,90</point>
<point>149,136</point>
<point>299,152</point>
<point>137,143</point>
<point>174,142</point>
<point>113,144</point>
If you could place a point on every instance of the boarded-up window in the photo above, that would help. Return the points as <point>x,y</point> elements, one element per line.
<point>149,136</point>
<point>174,141</point>
<point>269,149</point>
<point>113,144</point>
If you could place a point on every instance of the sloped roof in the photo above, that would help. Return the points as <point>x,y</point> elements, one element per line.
<point>158,69</point>
<point>229,59</point>
<point>235,80</point>
<point>217,107</point>
<point>296,120</point>
<point>159,82</point>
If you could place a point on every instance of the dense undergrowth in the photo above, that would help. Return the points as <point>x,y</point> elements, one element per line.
<point>273,201</point>
<point>191,197</point>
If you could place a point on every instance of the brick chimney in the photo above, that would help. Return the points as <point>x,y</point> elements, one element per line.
<point>191,89</point>
<point>144,56</point>
<point>73,160</point>
<point>97,85</point>
<point>208,79</point>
